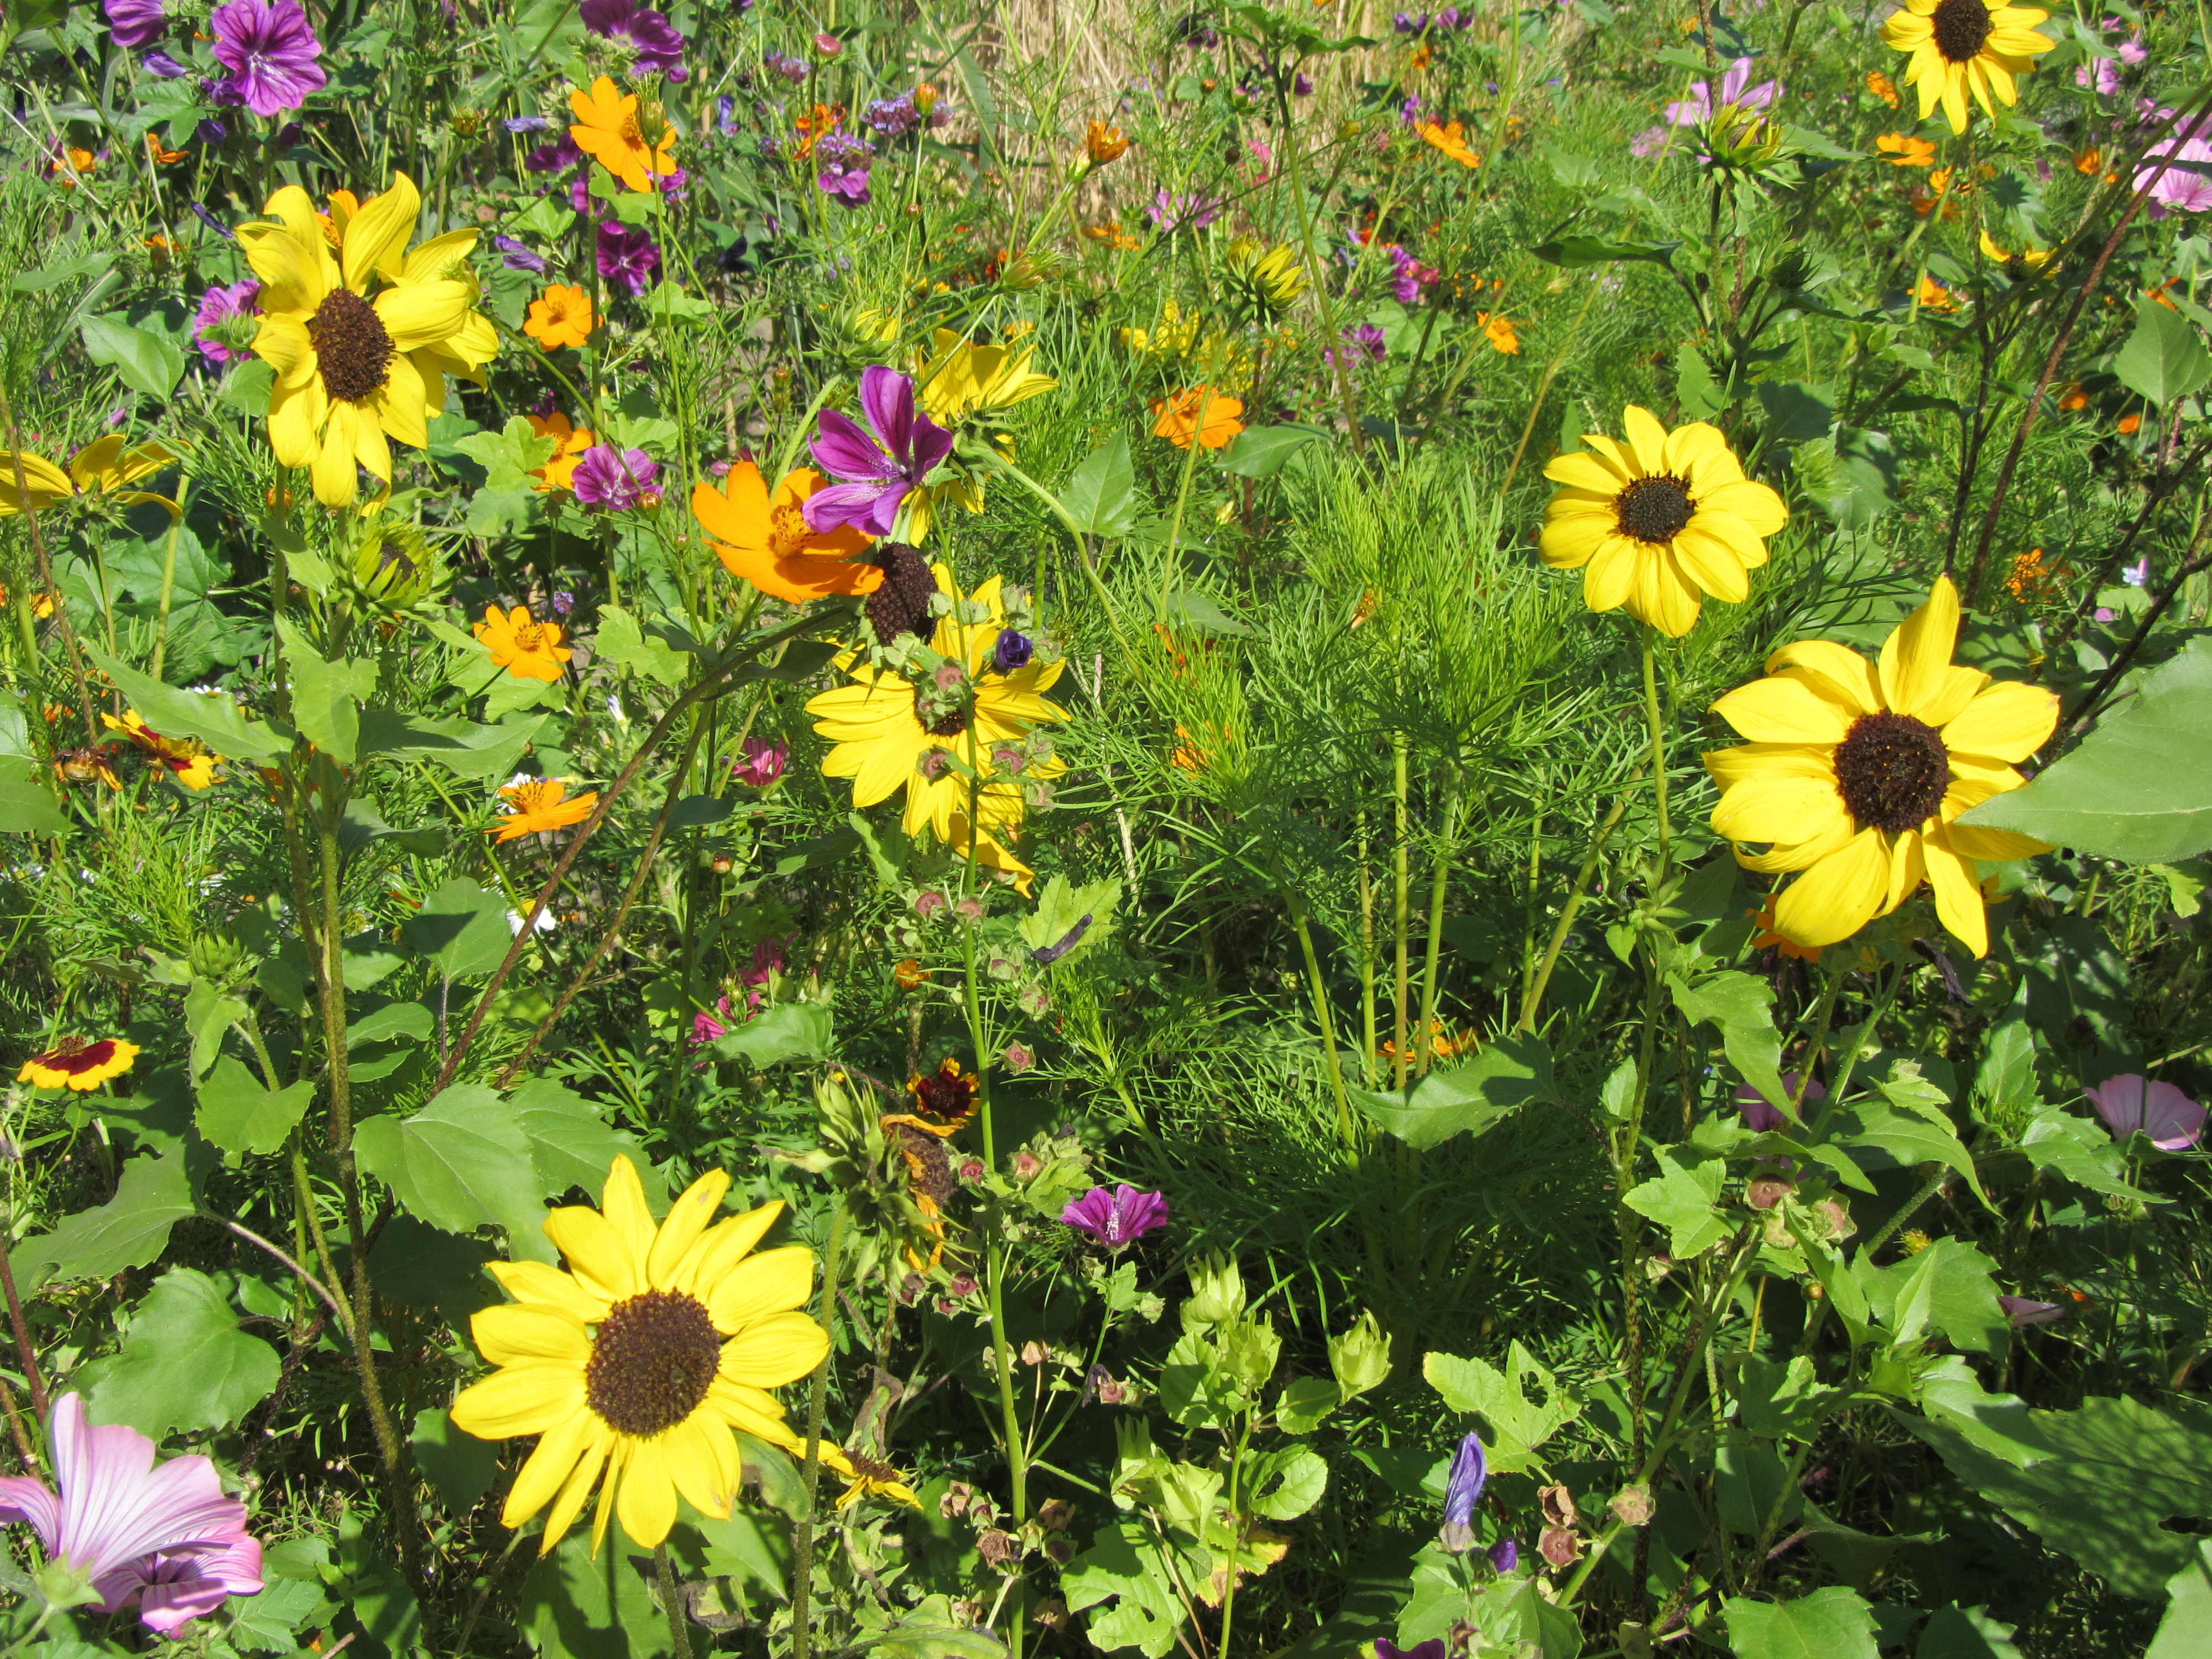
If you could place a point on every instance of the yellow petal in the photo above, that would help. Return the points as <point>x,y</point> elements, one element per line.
<point>1611,577</point>
<point>1567,543</point>
<point>423,314</point>
<point>701,1456</point>
<point>1833,671</point>
<point>1836,896</point>
<point>686,1220</point>
<point>578,1486</point>
<point>1906,869</point>
<point>622,1201</point>
<point>96,458</point>
<point>295,414</point>
<point>440,259</point>
<point>333,470</point>
<point>1711,563</point>
<point>721,1247</point>
<point>772,1282</point>
<point>1777,809</point>
<point>1646,438</point>
<point>1779,709</point>
<point>647,1501</point>
<point>1958,894</point>
<point>605,1266</point>
<point>519,1399</point>
<point>1758,507</point>
<point>1781,858</point>
<point>1664,596</point>
<point>1918,651</point>
<point>548,1468</point>
<point>1957,687</point>
<point>512,1333</point>
<point>772,1352</point>
<point>537,1285</point>
<point>1585,471</point>
<point>2009,721</point>
<point>400,405</point>
<point>1688,447</point>
<point>750,1410</point>
<point>1760,760</point>
<point>376,236</point>
<point>1973,840</point>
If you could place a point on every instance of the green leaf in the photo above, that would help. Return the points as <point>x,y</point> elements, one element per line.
<point>214,719</point>
<point>790,1030</point>
<point>460,1466</point>
<point>1302,1406</point>
<point>129,1230</point>
<point>30,808</point>
<point>467,748</point>
<point>1797,413</point>
<point>509,456</point>
<point>237,1115</point>
<point>571,1145</point>
<point>1835,1623</point>
<point>420,1266</point>
<point>2163,359</point>
<point>1070,922</point>
<point>1775,1398</point>
<point>2139,787</point>
<point>264,1623</point>
<point>1124,1568</point>
<point>2186,1632</point>
<point>460,1163</point>
<point>209,1012</point>
<point>1100,497</point>
<point>621,640</point>
<point>1965,1633</point>
<point>1262,452</point>
<point>2082,1150</point>
<point>1700,395</point>
<point>146,362</point>
<point>1913,1128</point>
<point>1507,1074</point>
<point>1681,1200</point>
<point>1742,1005</point>
<point>1201,613</point>
<point>1518,1424</point>
<point>574,1606</point>
<point>1572,251</point>
<point>1999,1423</point>
<point>462,928</point>
<point>183,1363</point>
<point>2006,1078</point>
<point>1283,1483</point>
<point>1947,1290</point>
<point>326,697</point>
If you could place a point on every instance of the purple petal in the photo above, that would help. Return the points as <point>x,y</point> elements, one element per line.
<point>931,444</point>
<point>848,452</point>
<point>871,506</point>
<point>887,399</point>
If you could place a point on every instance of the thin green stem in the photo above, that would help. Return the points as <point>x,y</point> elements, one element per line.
<point>802,1566</point>
<point>1658,751</point>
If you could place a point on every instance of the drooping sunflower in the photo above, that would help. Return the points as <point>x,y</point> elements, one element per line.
<point>1658,517</point>
<point>871,1477</point>
<point>1960,46</point>
<point>105,466</point>
<point>641,1359</point>
<point>987,712</point>
<point>1857,772</point>
<point>357,364</point>
<point>962,378</point>
<point>765,540</point>
<point>75,1064</point>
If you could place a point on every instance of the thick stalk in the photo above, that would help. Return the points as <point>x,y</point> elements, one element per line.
<point>23,1348</point>
<point>802,1564</point>
<point>1366,958</point>
<point>1424,1038</point>
<point>671,1601</point>
<point>1658,752</point>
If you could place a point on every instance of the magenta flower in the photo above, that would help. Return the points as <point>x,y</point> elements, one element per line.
<point>135,23</point>
<point>1192,212</point>
<point>1762,1118</point>
<point>617,479</point>
<point>705,1027</point>
<point>1117,1217</point>
<point>763,764</point>
<point>166,1537</point>
<point>874,481</point>
<point>271,51</point>
<point>627,256</point>
<point>2023,1313</point>
<point>1736,92</point>
<point>1363,344</point>
<point>220,305</point>
<point>2169,1119</point>
<point>660,48</point>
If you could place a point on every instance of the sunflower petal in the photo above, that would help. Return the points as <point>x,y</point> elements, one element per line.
<point>578,1486</point>
<point>1917,653</point>
<point>2009,721</point>
<point>1711,562</point>
<point>1958,894</point>
<point>1647,439</point>
<point>512,1334</point>
<point>1779,709</point>
<point>537,1285</point>
<point>376,236</point>
<point>701,1455</point>
<point>518,1400</point>
<point>646,1503</point>
<point>1907,868</point>
<point>622,1201</point>
<point>773,1281</point>
<point>604,1265</point>
<point>1777,809</point>
<point>1837,896</point>
<point>721,1247</point>
<point>1834,673</point>
<point>686,1220</point>
<point>549,1467</point>
<point>772,1352</point>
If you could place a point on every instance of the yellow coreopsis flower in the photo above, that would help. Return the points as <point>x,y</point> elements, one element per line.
<point>355,363</point>
<point>2019,264</point>
<point>964,379</point>
<point>641,1358</point>
<point>1962,47</point>
<point>868,1477</point>
<point>1658,517</point>
<point>1857,772</point>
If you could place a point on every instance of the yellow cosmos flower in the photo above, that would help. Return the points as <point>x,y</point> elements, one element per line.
<point>884,746</point>
<point>963,379</point>
<point>354,366</point>
<point>1856,773</point>
<point>2019,264</point>
<point>103,467</point>
<point>641,1359</point>
<point>1960,46</point>
<point>1451,140</point>
<point>1658,519</point>
<point>73,1063</point>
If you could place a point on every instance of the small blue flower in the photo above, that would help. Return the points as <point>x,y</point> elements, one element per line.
<point>526,124</point>
<point>1470,1470</point>
<point>1504,1555</point>
<point>1013,651</point>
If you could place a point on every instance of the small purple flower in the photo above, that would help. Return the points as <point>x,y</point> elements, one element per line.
<point>1011,652</point>
<point>1301,85</point>
<point>617,479</point>
<point>1736,92</point>
<point>1504,1556</point>
<point>1648,143</point>
<point>1761,1117</point>
<point>874,481</point>
<point>135,23</point>
<point>2023,1313</point>
<point>674,185</point>
<point>1363,345</point>
<point>627,256</point>
<point>794,69</point>
<point>556,157</point>
<point>162,67</point>
<point>1432,1649</point>
<point>563,602</point>
<point>1470,1473</point>
<point>725,115</point>
<point>892,117</point>
<point>268,45</point>
<point>515,257</point>
<point>1117,1216</point>
<point>526,124</point>
<point>1411,23</point>
<point>225,93</point>
<point>848,184</point>
<point>220,305</point>
<point>660,48</point>
<point>200,212</point>
<point>1172,213</point>
<point>763,764</point>
<point>2169,1119</point>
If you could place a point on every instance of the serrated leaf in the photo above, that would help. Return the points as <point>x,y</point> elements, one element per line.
<point>326,697</point>
<point>184,1363</point>
<point>129,1230</point>
<point>1742,1007</point>
<point>146,362</point>
<point>467,748</point>
<point>1681,1199</point>
<point>572,1146</point>
<point>1518,1424</point>
<point>1947,1290</point>
<point>790,1030</point>
<point>1283,1483</point>
<point>1125,1579</point>
<point>264,1623</point>
<point>1835,1623</point>
<point>460,1163</point>
<point>237,1114</point>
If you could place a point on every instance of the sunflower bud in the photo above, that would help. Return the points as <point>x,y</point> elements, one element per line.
<point>392,564</point>
<point>212,956</point>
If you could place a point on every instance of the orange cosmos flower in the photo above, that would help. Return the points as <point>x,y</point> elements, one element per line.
<point>541,803</point>
<point>73,1063</point>
<point>768,542</point>
<point>560,317</point>
<point>822,119</point>
<point>2130,424</point>
<point>1882,87</point>
<point>160,153</point>
<point>1180,416</point>
<point>1447,139</point>
<point>1104,143</point>
<point>70,163</point>
<point>1500,332</point>
<point>526,647</point>
<point>1906,151</point>
<point>570,443</point>
<point>1934,296</point>
<point>607,128</point>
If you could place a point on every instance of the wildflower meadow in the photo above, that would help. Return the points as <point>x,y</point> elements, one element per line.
<point>888,830</point>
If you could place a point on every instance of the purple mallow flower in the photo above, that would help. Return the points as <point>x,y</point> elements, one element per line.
<point>660,48</point>
<point>166,1537</point>
<point>1736,92</point>
<point>627,256</point>
<point>162,67</point>
<point>1470,1470</point>
<point>847,183</point>
<point>617,479</point>
<point>557,156</point>
<point>270,51</point>
<point>220,305</point>
<point>892,117</point>
<point>1363,345</point>
<point>2186,184</point>
<point>876,471</point>
<point>1504,1555</point>
<point>1117,1217</point>
<point>515,257</point>
<point>135,23</point>
<point>2168,1118</point>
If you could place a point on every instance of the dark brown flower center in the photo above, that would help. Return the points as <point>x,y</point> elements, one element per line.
<point>929,1170</point>
<point>1893,770</point>
<point>1961,26</point>
<point>350,344</point>
<point>1655,509</point>
<point>653,1360</point>
<point>872,1468</point>
<point>901,605</point>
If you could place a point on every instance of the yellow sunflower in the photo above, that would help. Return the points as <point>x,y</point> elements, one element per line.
<point>883,744</point>
<point>1658,519</point>
<point>1857,772</point>
<point>1960,46</point>
<point>641,1358</point>
<point>356,364</point>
